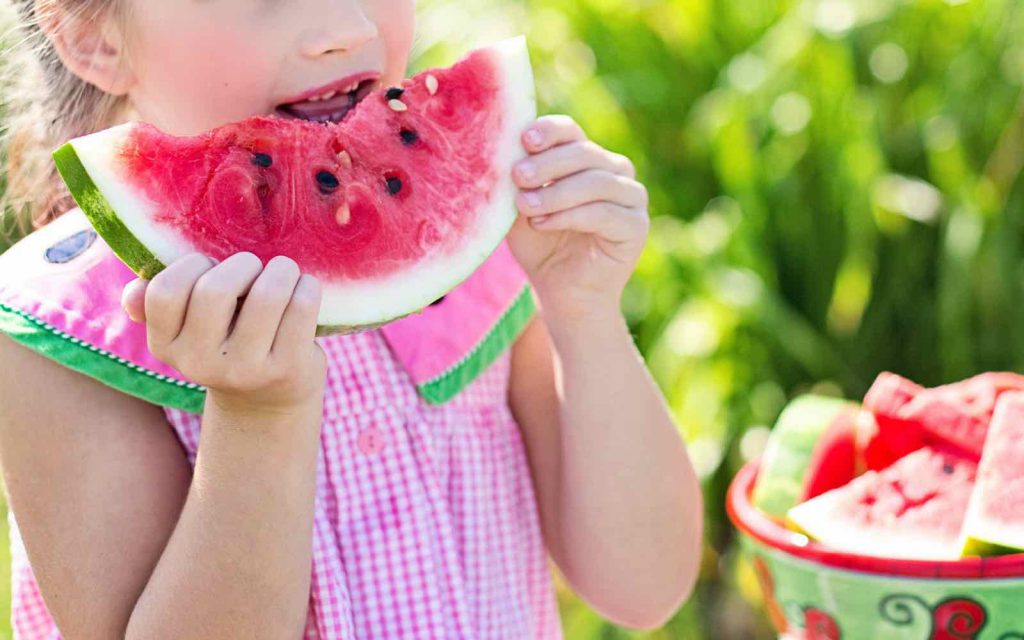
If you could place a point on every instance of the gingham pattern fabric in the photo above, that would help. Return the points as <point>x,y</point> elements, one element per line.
<point>426,523</point>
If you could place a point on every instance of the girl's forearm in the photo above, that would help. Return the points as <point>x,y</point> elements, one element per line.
<point>238,562</point>
<point>630,505</point>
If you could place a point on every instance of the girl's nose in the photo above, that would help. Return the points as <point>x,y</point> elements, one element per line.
<point>345,28</point>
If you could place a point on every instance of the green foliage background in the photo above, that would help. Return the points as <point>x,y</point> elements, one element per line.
<point>835,191</point>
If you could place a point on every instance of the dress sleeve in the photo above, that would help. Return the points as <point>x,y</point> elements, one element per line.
<point>60,290</point>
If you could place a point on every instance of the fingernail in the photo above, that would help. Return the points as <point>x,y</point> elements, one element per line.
<point>532,200</point>
<point>527,170</point>
<point>539,220</point>
<point>534,137</point>
<point>129,289</point>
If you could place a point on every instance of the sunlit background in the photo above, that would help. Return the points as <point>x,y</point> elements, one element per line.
<point>835,191</point>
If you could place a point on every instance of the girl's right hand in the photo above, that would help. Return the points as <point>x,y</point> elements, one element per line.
<point>255,356</point>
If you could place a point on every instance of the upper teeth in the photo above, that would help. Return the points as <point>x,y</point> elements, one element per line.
<point>324,96</point>
<point>330,94</point>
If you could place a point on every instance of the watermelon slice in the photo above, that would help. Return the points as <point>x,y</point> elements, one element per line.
<point>809,452</point>
<point>913,510</point>
<point>883,437</point>
<point>995,517</point>
<point>390,208</point>
<point>908,417</point>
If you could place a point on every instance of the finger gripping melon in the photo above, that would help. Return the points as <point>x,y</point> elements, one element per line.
<point>390,208</point>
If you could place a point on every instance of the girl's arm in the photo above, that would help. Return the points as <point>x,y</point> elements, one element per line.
<point>620,502</point>
<point>122,543</point>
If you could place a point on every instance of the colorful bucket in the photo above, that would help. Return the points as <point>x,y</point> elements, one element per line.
<point>814,593</point>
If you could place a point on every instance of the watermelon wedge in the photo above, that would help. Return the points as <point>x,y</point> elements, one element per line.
<point>883,436</point>
<point>913,510</point>
<point>995,517</point>
<point>391,208</point>
<point>809,452</point>
<point>908,417</point>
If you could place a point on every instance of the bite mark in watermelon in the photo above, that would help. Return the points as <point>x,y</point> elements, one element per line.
<point>995,517</point>
<point>912,510</point>
<point>390,208</point>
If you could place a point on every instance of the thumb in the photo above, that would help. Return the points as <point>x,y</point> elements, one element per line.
<point>133,299</point>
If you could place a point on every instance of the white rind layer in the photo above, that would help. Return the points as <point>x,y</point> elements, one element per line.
<point>818,520</point>
<point>361,302</point>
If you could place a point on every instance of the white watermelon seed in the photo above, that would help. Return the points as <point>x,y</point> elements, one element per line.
<point>343,215</point>
<point>431,83</point>
<point>345,159</point>
<point>397,105</point>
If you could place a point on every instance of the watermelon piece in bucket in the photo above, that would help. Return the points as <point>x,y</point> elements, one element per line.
<point>908,417</point>
<point>995,517</point>
<point>883,435</point>
<point>391,208</point>
<point>912,510</point>
<point>810,451</point>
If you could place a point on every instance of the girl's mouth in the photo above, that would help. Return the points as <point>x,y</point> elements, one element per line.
<point>330,105</point>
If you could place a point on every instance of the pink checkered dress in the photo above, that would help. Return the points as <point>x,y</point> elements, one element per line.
<point>425,522</point>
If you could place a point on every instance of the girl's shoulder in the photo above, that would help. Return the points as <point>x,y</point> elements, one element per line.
<point>60,291</point>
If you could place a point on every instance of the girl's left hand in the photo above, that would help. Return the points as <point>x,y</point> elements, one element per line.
<point>583,219</point>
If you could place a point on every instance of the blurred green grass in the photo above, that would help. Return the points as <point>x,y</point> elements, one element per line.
<point>835,191</point>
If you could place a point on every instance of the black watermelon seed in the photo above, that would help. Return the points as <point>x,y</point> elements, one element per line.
<point>327,181</point>
<point>409,137</point>
<point>394,186</point>
<point>438,301</point>
<point>948,469</point>
<point>262,160</point>
<point>394,93</point>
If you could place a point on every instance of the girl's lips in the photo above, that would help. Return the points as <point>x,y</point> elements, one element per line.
<point>344,85</point>
<point>344,95</point>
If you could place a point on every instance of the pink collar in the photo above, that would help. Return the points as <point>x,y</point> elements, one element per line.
<point>60,296</point>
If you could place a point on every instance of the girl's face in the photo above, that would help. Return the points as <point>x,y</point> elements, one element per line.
<point>198,64</point>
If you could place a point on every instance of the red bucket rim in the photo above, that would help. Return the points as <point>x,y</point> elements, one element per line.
<point>774,535</point>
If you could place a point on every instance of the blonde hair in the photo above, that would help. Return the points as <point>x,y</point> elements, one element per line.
<point>44,105</point>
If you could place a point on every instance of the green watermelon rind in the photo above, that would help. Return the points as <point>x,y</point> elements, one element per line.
<point>102,216</point>
<point>975,547</point>
<point>99,364</point>
<point>789,450</point>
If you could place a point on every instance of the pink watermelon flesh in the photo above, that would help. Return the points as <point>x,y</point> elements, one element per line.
<point>908,417</point>
<point>832,461</point>
<point>883,437</point>
<point>995,518</point>
<point>390,208</point>
<point>912,510</point>
<point>232,203</point>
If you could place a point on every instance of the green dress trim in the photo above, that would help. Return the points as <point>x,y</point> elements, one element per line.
<point>501,336</point>
<point>112,370</point>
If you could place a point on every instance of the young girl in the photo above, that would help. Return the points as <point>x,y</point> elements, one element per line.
<point>315,492</point>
